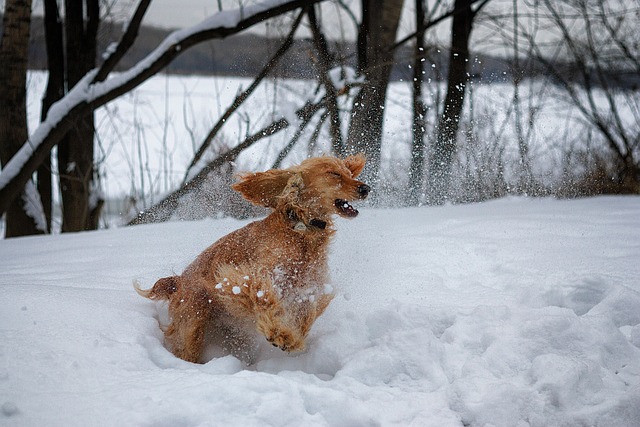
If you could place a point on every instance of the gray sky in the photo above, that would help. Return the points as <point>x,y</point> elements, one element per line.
<point>162,13</point>
<point>184,13</point>
<point>181,13</point>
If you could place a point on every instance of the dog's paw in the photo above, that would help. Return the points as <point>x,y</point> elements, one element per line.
<point>285,341</point>
<point>280,336</point>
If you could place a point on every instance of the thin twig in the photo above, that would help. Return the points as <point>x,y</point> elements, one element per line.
<point>241,97</point>
<point>163,210</point>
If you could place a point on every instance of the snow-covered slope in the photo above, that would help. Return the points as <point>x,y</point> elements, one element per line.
<point>510,313</point>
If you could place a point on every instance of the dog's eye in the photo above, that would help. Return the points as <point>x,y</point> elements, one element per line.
<point>336,174</point>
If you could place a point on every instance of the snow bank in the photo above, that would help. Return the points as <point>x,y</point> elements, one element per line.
<point>511,313</point>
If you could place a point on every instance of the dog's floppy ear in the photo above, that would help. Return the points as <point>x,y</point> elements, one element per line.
<point>263,188</point>
<point>291,191</point>
<point>355,164</point>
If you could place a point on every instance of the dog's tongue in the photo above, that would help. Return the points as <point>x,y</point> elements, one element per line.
<point>346,209</point>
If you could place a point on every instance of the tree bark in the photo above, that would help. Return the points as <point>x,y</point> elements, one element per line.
<point>376,34</point>
<point>324,66</point>
<point>444,147</point>
<point>75,151</point>
<point>54,91</point>
<point>13,120</point>
<point>416,169</point>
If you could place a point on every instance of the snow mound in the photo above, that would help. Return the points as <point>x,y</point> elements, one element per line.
<point>511,313</point>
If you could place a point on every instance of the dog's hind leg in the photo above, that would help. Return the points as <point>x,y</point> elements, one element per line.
<point>186,333</point>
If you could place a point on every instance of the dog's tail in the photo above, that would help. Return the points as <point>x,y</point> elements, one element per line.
<point>161,290</point>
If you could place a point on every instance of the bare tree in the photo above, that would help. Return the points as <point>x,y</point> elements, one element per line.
<point>600,43</point>
<point>324,66</point>
<point>13,120</point>
<point>53,92</point>
<point>419,123</point>
<point>78,186</point>
<point>377,33</point>
<point>444,146</point>
<point>93,91</point>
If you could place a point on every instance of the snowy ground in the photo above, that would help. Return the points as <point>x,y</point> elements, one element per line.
<point>516,312</point>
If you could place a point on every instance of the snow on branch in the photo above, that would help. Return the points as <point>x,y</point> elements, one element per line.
<point>91,92</point>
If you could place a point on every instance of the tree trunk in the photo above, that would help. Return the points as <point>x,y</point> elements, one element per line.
<point>376,36</point>
<point>54,91</point>
<point>13,120</point>
<point>324,65</point>
<point>75,152</point>
<point>416,170</point>
<point>441,159</point>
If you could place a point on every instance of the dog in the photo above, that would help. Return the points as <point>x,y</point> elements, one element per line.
<point>270,276</point>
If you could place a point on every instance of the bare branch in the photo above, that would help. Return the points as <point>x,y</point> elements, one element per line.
<point>127,40</point>
<point>86,96</point>
<point>324,65</point>
<point>240,98</point>
<point>436,21</point>
<point>303,124</point>
<point>163,210</point>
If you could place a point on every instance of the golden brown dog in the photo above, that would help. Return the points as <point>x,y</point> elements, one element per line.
<point>271,275</point>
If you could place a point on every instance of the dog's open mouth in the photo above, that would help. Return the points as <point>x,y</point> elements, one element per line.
<point>345,209</point>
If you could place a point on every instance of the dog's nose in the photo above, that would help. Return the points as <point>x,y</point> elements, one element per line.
<point>363,190</point>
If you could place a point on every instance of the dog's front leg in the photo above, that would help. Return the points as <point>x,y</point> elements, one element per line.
<point>277,329</point>
<point>307,312</point>
<point>253,296</point>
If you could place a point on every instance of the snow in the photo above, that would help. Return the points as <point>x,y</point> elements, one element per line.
<point>344,76</point>
<point>111,49</point>
<point>517,312</point>
<point>33,206</point>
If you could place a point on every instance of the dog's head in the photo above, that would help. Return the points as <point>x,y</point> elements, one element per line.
<point>314,189</point>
